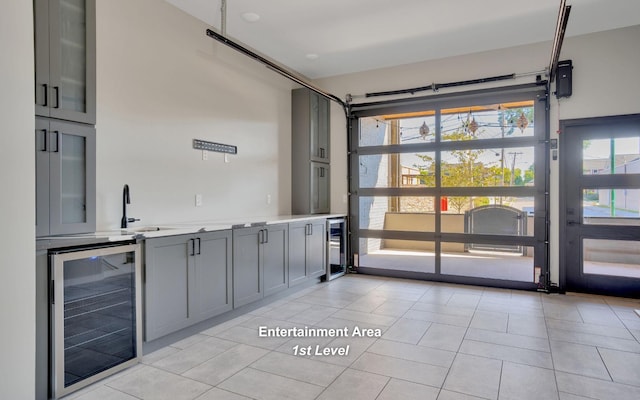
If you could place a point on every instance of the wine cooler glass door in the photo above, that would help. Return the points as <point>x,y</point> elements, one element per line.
<point>96,315</point>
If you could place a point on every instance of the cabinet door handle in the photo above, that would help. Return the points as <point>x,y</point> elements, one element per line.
<point>266,236</point>
<point>57,133</point>
<point>199,247</point>
<point>310,229</point>
<point>57,89</point>
<point>260,236</point>
<point>46,95</point>
<point>193,247</point>
<point>44,140</point>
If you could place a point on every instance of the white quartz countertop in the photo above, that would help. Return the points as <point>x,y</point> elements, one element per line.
<point>139,231</point>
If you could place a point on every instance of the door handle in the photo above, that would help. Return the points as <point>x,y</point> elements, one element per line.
<point>266,236</point>
<point>46,95</point>
<point>57,133</point>
<point>199,247</point>
<point>260,236</point>
<point>193,247</point>
<point>44,140</point>
<point>57,89</point>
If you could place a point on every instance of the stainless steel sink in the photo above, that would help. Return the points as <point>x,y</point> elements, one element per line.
<point>144,229</point>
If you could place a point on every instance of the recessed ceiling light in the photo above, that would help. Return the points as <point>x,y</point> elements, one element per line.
<point>250,16</point>
<point>312,56</point>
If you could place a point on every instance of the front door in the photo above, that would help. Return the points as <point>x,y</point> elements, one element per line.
<point>600,205</point>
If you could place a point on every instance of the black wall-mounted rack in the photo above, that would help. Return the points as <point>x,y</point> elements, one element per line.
<point>212,146</point>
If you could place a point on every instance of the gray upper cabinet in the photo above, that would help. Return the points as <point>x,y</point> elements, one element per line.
<point>319,184</point>
<point>310,152</point>
<point>65,54</point>
<point>307,255</point>
<point>65,177</point>
<point>318,126</point>
<point>260,262</point>
<point>188,278</point>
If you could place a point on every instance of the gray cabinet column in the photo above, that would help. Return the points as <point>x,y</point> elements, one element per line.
<point>310,155</point>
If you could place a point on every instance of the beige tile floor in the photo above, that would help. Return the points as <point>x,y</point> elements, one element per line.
<point>439,341</point>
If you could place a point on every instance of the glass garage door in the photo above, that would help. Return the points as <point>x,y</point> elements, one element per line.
<point>451,189</point>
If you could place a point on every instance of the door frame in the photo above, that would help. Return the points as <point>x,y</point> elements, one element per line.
<point>590,126</point>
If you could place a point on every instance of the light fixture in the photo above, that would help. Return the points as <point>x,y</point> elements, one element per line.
<point>522,122</point>
<point>312,56</point>
<point>250,16</point>
<point>424,131</point>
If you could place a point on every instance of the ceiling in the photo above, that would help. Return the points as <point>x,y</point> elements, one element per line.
<point>356,35</point>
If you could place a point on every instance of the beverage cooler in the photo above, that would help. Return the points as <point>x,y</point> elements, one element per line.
<point>95,314</point>
<point>336,248</point>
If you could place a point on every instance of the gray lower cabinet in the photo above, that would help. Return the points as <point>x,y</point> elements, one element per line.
<point>307,255</point>
<point>65,177</point>
<point>188,278</point>
<point>260,262</point>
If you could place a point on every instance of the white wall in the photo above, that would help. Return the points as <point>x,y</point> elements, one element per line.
<point>161,83</point>
<point>17,204</point>
<point>605,82</point>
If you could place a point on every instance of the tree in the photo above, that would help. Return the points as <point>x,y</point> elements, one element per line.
<point>529,175</point>
<point>468,169</point>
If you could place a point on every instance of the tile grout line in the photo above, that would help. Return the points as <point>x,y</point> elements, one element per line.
<point>553,364</point>
<point>500,379</point>
<point>444,381</point>
<point>604,363</point>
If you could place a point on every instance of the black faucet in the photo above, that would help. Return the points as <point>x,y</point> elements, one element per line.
<point>126,199</point>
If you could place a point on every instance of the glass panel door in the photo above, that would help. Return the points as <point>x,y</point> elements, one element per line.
<point>600,177</point>
<point>96,320</point>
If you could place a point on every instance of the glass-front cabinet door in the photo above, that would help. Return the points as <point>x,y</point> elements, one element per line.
<point>65,59</point>
<point>65,178</point>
